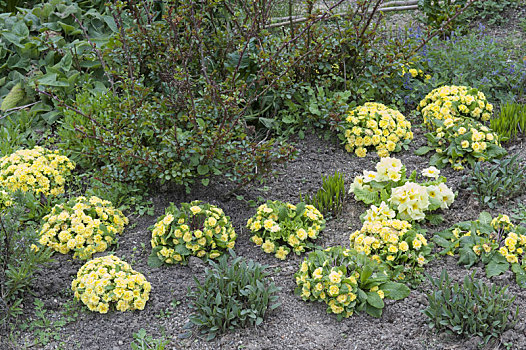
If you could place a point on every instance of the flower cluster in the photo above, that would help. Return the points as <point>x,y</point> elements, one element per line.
<point>373,124</point>
<point>412,200</point>
<point>36,170</point>
<point>83,225</point>
<point>197,228</point>
<point>467,141</point>
<point>495,241</point>
<point>454,103</point>
<point>393,242</point>
<point>5,200</point>
<point>346,281</point>
<point>388,188</point>
<point>281,227</point>
<point>108,280</point>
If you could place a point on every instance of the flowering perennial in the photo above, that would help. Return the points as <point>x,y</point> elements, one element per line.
<point>281,227</point>
<point>466,141</point>
<point>373,124</point>
<point>346,281</point>
<point>497,242</point>
<point>393,242</point>
<point>392,193</point>
<point>82,225</point>
<point>454,103</point>
<point>197,228</point>
<point>37,170</point>
<point>107,281</point>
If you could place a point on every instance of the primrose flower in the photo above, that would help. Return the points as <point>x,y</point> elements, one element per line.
<point>431,172</point>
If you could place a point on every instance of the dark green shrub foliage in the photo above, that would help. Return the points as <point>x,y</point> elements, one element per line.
<point>473,309</point>
<point>511,122</point>
<point>233,294</point>
<point>497,182</point>
<point>330,197</point>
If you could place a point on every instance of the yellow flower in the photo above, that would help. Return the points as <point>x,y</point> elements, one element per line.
<point>334,290</point>
<point>195,209</point>
<point>268,247</point>
<point>281,253</point>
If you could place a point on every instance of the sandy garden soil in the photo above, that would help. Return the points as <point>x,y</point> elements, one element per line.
<point>295,324</point>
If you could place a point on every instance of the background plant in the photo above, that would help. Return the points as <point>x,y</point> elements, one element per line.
<point>283,227</point>
<point>480,61</point>
<point>497,182</point>
<point>511,121</point>
<point>233,294</point>
<point>473,309</point>
<point>197,228</point>
<point>497,243</point>
<point>346,281</point>
<point>330,197</point>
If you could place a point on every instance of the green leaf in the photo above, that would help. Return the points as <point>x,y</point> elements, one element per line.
<point>497,266</point>
<point>205,182</point>
<point>50,79</point>
<point>203,169</point>
<point>154,261</point>
<point>485,218</point>
<point>374,299</point>
<point>395,290</point>
<point>423,150</point>
<point>373,311</point>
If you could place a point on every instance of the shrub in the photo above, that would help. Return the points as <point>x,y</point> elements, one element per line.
<point>390,185</point>
<point>330,197</point>
<point>20,259</point>
<point>500,181</point>
<point>197,228</point>
<point>460,142</point>
<point>373,124</point>
<point>511,122</point>
<point>37,170</point>
<point>82,225</point>
<point>346,281</point>
<point>453,102</point>
<point>107,282</point>
<point>496,242</point>
<point>438,13</point>
<point>473,309</point>
<point>233,294</point>
<point>277,227</point>
<point>393,242</point>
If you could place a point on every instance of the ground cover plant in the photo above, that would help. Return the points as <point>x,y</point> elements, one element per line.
<point>177,113</point>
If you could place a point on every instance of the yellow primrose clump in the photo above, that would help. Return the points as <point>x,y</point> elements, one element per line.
<point>281,227</point>
<point>375,125</point>
<point>453,103</point>
<point>346,281</point>
<point>197,228</point>
<point>108,282</point>
<point>36,170</point>
<point>393,242</point>
<point>83,225</point>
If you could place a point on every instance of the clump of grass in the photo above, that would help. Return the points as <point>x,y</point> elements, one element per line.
<point>511,122</point>
<point>330,197</point>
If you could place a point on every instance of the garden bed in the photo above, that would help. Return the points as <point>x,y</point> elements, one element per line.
<point>295,324</point>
